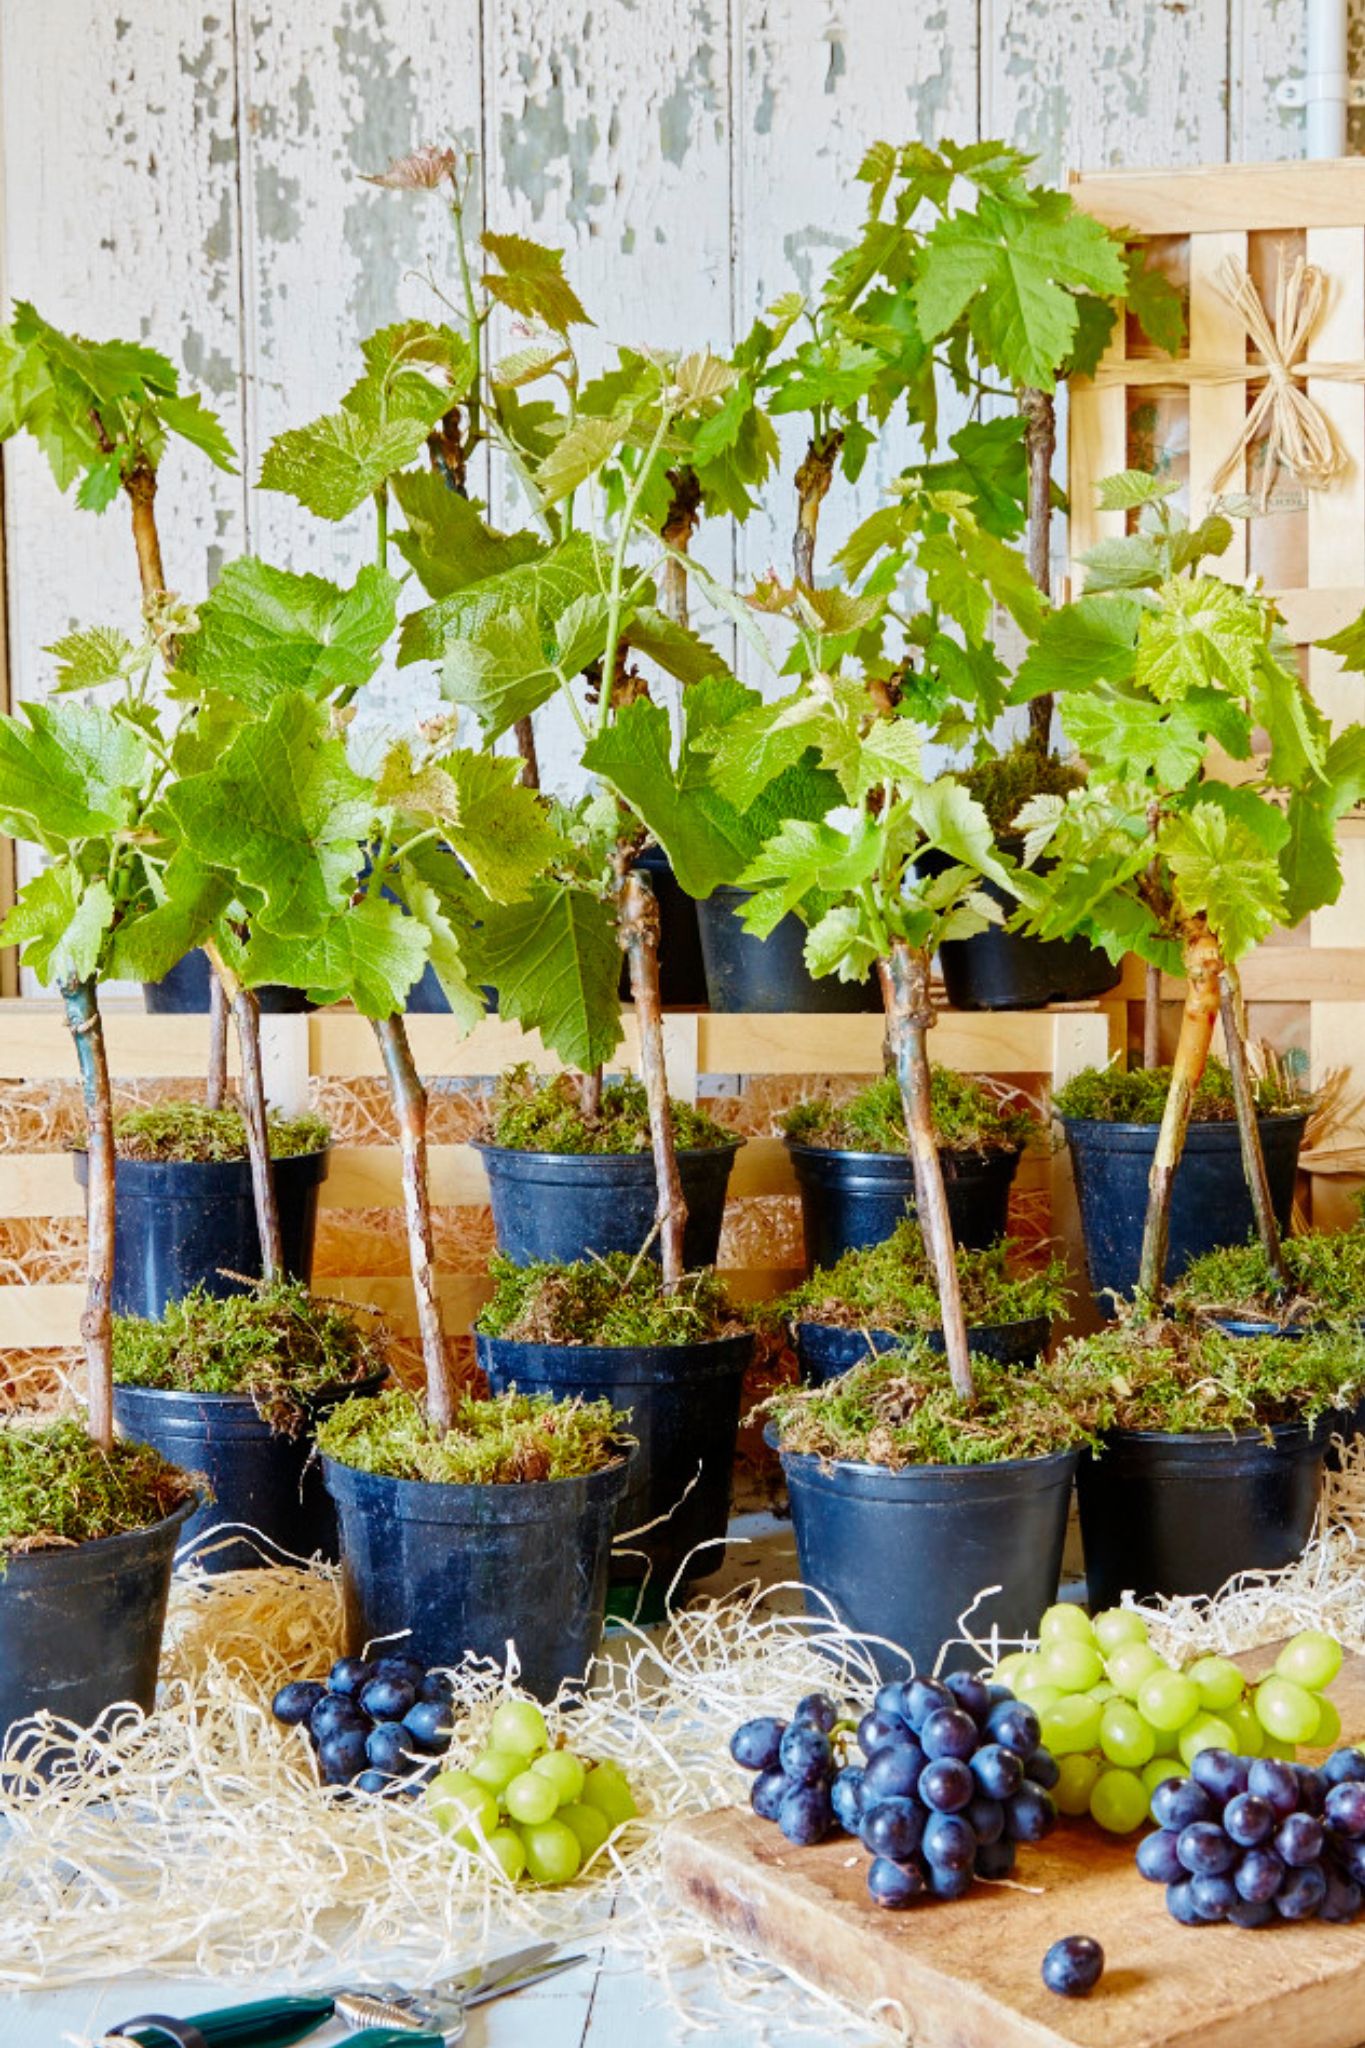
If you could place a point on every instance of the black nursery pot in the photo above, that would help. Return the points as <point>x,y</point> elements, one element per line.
<point>184,992</point>
<point>1210,1200</point>
<point>1182,1514</point>
<point>853,1199</point>
<point>80,1628</point>
<point>256,1475</point>
<point>684,1415</point>
<point>767,975</point>
<point>682,971</point>
<point>825,1350</point>
<point>904,1554</point>
<point>1001,970</point>
<point>452,1569</point>
<point>184,1223</point>
<point>563,1206</point>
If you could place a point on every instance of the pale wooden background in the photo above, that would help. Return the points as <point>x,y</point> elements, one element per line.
<point>188,170</point>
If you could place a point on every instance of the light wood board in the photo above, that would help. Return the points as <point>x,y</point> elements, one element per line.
<point>967,1975</point>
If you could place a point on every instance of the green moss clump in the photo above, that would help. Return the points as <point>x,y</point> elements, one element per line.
<point>189,1131</point>
<point>900,1409</point>
<point>1112,1096</point>
<point>968,1117</point>
<point>615,1300</point>
<point>1326,1278</point>
<point>279,1343</point>
<point>512,1440</point>
<point>891,1286</point>
<point>1004,784</point>
<point>529,1113</point>
<point>1181,1379</point>
<point>58,1488</point>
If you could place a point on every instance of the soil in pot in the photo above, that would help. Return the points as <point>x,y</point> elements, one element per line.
<point>1112,1121</point>
<point>675,1363</point>
<point>184,1213</point>
<point>87,1541</point>
<point>907,1504</point>
<point>745,973</point>
<point>854,1173</point>
<point>884,1294</point>
<point>496,1531</point>
<point>233,1387</point>
<point>565,1186</point>
<point>1210,1451</point>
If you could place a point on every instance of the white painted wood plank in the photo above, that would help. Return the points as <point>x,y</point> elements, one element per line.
<point>1091,84</point>
<point>1266,45</point>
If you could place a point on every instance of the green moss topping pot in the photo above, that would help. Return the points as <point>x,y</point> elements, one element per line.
<point>1005,782</point>
<point>968,1117</point>
<point>615,1300</point>
<point>188,1131</point>
<point>1326,1274</point>
<point>513,1439</point>
<point>57,1488</point>
<point>528,1113</point>
<point>1109,1095</point>
<point>890,1286</point>
<point>1179,1379</point>
<point>279,1343</point>
<point>900,1409</point>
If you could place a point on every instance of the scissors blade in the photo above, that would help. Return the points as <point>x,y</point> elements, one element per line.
<point>524,1978</point>
<point>478,1983</point>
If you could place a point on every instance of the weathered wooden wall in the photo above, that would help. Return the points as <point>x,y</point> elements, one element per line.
<point>189,170</point>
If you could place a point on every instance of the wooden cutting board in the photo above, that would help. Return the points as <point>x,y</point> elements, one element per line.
<point>967,1975</point>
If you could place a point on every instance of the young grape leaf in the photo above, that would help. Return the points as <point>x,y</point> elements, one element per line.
<point>448,942</point>
<point>530,280</point>
<point>61,920</point>
<point>696,827</point>
<point>446,542</point>
<point>1223,871</point>
<point>371,953</point>
<point>805,857</point>
<point>1127,489</point>
<point>500,830</point>
<point>556,965</point>
<point>1153,300</point>
<point>93,657</point>
<point>71,772</point>
<point>543,585</point>
<point>1129,736</point>
<point>335,463</point>
<point>264,630</point>
<point>677,649</point>
<point>509,665</point>
<point>1204,633</point>
<point>1091,641</point>
<point>839,944</point>
<point>953,822</point>
<point>192,900</point>
<point>580,452</point>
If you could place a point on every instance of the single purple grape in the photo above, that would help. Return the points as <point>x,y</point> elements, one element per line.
<point>1031,1814</point>
<point>999,1772</point>
<point>1205,1850</point>
<point>1249,1820</point>
<point>946,1784</point>
<point>1275,1781</point>
<point>805,1753</point>
<point>846,1797</point>
<point>1073,1966</point>
<point>1221,1774</point>
<point>756,1745</point>
<point>1158,1860</point>
<point>806,1815</point>
<point>878,1728</point>
<point>986,1818</point>
<point>949,1884</point>
<point>767,1792</point>
<point>1345,1766</point>
<point>349,1676</point>
<point>893,1828</point>
<point>1344,1808</point>
<point>1015,1726</point>
<point>1044,1769</point>
<point>1342,1899</point>
<point>1213,1895</point>
<point>996,1859</point>
<point>893,1885</point>
<point>921,1697</point>
<point>892,1772</point>
<point>1251,1913</point>
<point>818,1709</point>
<point>1259,1875</point>
<point>949,1732</point>
<point>294,1702</point>
<point>1300,1839</point>
<point>1302,1893</point>
<point>1179,1803</point>
<point>948,1843</point>
<point>971,1694</point>
<point>1180,1904</point>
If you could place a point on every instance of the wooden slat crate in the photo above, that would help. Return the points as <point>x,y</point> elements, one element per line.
<point>1026,1046</point>
<point>1307,989</point>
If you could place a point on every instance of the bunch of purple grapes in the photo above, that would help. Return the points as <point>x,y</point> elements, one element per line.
<point>1254,1840</point>
<point>953,1778</point>
<point>377,1724</point>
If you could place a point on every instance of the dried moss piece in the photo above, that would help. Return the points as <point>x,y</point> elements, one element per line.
<point>1109,1095</point>
<point>1327,1276</point>
<point>891,1286</point>
<point>511,1440</point>
<point>187,1131</point>
<point>1180,1379</point>
<point>280,1344</point>
<point>901,1409</point>
<point>1004,784</point>
<point>614,1300</point>
<point>968,1117</point>
<point>533,1113</point>
<point>57,1488</point>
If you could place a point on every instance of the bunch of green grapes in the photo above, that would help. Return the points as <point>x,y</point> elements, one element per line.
<point>537,1812</point>
<point>1120,1720</point>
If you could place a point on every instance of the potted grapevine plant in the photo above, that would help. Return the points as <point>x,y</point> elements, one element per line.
<point>1162,856</point>
<point>855,1174</point>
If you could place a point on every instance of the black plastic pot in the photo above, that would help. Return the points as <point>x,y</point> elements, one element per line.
<point>561,1206</point>
<point>684,1414</point>
<point>763,975</point>
<point>1210,1200</point>
<point>904,1554</point>
<point>257,1476</point>
<point>682,971</point>
<point>183,1223</point>
<point>1182,1514</point>
<point>80,1629</point>
<point>825,1350</point>
<point>445,1570</point>
<point>852,1199</point>
<point>1000,970</point>
<point>184,992</point>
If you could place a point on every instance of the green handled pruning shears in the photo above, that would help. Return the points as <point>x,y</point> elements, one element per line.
<point>389,2017</point>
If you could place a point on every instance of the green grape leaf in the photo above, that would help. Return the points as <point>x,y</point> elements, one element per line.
<point>1349,646</point>
<point>530,280</point>
<point>370,953</point>
<point>192,420</point>
<point>95,656</point>
<point>264,630</point>
<point>1223,871</point>
<point>285,813</point>
<point>68,772</point>
<point>1203,634</point>
<point>696,827</point>
<point>556,965</point>
<point>1129,736</point>
<point>1128,562</point>
<point>543,585</point>
<point>193,899</point>
<point>61,920</point>
<point>1154,301</point>
<point>990,468</point>
<point>500,830</point>
<point>804,857</point>
<point>839,944</point>
<point>508,666</point>
<point>677,649</point>
<point>335,463</point>
<point>1128,489</point>
<point>449,943</point>
<point>446,541</point>
<point>954,823</point>
<point>581,451</point>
